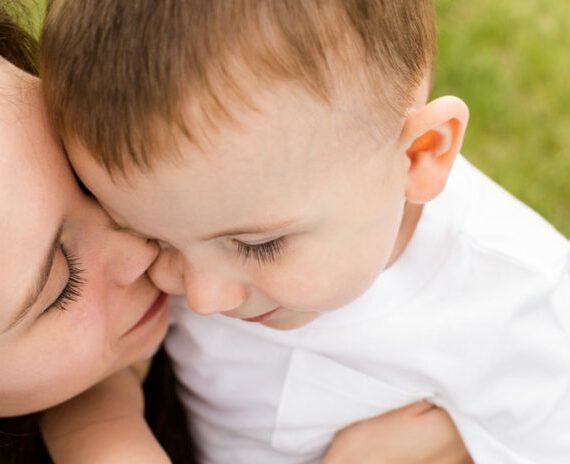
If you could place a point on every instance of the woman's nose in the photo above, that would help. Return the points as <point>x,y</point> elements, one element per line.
<point>130,257</point>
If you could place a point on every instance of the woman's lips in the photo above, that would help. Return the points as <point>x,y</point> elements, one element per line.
<point>262,317</point>
<point>154,309</point>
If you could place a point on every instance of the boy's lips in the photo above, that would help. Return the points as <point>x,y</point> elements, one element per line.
<point>262,317</point>
<point>154,309</point>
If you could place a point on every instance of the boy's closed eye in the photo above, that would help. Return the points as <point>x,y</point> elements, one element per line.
<point>114,225</point>
<point>82,186</point>
<point>264,252</point>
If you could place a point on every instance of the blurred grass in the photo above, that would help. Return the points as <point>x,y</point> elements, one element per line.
<point>510,62</point>
<point>28,13</point>
<point>37,13</point>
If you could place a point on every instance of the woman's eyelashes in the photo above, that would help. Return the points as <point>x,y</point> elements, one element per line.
<point>263,253</point>
<point>74,285</point>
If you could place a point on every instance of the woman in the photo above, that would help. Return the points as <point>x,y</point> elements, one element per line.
<point>76,304</point>
<point>75,298</point>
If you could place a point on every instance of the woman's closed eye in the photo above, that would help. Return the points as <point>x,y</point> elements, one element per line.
<point>263,253</point>
<point>75,282</point>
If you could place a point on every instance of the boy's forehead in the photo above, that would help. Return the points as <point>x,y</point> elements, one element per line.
<point>282,117</point>
<point>282,153</point>
<point>289,132</point>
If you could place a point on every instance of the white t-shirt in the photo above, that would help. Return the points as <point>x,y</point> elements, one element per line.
<point>474,316</point>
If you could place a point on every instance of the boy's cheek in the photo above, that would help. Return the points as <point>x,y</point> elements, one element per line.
<point>321,289</point>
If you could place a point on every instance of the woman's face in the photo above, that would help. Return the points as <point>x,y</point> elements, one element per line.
<point>75,301</point>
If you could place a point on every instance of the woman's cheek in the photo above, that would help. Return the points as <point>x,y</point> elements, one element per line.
<point>88,330</point>
<point>55,364</point>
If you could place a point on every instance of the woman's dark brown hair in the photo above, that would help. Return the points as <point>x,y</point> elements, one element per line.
<point>20,438</point>
<point>16,44</point>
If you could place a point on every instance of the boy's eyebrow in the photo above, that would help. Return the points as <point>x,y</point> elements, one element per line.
<point>40,282</point>
<point>252,229</point>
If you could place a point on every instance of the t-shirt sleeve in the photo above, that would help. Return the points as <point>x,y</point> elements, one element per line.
<point>517,409</point>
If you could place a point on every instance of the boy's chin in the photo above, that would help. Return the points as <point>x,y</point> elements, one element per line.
<point>293,320</point>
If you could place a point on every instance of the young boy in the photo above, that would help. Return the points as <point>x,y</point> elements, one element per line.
<point>311,202</point>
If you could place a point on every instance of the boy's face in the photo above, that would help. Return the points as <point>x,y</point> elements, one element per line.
<point>291,214</point>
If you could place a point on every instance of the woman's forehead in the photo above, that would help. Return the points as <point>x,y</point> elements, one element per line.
<point>30,213</point>
<point>34,192</point>
<point>31,167</point>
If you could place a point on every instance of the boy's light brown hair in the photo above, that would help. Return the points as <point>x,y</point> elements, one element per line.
<point>121,76</point>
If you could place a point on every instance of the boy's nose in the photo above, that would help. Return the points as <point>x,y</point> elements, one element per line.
<point>207,293</point>
<point>167,272</point>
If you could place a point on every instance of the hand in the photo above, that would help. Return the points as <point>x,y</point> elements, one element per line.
<point>104,425</point>
<point>420,433</point>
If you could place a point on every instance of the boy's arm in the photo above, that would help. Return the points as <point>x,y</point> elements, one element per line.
<point>104,425</point>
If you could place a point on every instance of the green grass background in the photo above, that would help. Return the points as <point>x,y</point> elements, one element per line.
<point>510,61</point>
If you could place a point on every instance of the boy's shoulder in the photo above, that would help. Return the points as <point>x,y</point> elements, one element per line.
<point>492,222</point>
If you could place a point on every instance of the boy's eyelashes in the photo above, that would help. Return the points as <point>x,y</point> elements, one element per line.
<point>263,253</point>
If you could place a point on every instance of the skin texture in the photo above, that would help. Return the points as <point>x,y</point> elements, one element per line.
<point>52,354</point>
<point>341,203</point>
<point>418,433</point>
<point>103,425</point>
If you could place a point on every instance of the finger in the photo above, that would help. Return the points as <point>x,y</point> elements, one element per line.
<point>414,409</point>
<point>421,407</point>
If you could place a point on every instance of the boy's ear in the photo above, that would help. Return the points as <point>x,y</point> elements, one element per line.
<point>432,137</point>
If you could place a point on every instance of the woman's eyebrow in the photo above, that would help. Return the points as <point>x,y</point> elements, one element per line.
<point>40,281</point>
